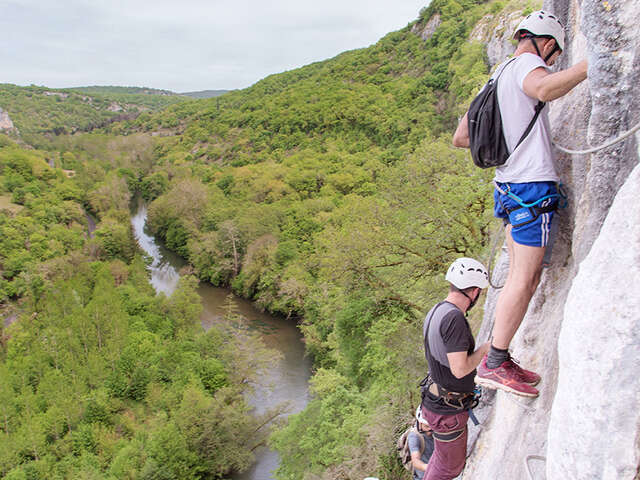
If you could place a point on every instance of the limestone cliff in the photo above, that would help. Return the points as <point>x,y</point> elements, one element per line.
<point>581,330</point>
<point>5,121</point>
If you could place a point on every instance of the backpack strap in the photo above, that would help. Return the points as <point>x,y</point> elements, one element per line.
<point>538,109</point>
<point>503,68</point>
<point>421,437</point>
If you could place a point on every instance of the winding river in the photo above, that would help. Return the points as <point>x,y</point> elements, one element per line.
<point>288,380</point>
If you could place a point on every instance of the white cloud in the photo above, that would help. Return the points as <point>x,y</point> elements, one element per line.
<point>186,45</point>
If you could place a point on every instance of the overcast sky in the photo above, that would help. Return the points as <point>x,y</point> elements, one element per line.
<point>183,45</point>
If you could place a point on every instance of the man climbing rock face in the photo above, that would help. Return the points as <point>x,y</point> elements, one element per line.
<point>526,193</point>
<point>448,393</point>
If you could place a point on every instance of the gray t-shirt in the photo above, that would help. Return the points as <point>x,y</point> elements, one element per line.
<point>448,332</point>
<point>533,160</point>
<point>414,446</point>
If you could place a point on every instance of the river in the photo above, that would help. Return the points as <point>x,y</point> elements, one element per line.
<point>288,381</point>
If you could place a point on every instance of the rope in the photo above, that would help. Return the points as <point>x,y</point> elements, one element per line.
<point>601,147</point>
<point>528,467</point>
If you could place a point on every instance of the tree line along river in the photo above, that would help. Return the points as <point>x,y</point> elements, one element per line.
<point>287,381</point>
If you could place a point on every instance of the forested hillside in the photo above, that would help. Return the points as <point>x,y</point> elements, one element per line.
<point>39,112</point>
<point>100,377</point>
<point>329,194</point>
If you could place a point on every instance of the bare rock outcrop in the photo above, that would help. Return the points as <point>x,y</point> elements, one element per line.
<point>426,31</point>
<point>496,32</point>
<point>5,121</point>
<point>115,107</point>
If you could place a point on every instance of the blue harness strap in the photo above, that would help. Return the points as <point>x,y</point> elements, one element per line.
<point>473,417</point>
<point>560,195</point>
<point>526,213</point>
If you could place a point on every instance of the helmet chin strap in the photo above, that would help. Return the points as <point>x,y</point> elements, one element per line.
<point>535,45</point>
<point>473,302</point>
<point>546,59</point>
<point>555,49</point>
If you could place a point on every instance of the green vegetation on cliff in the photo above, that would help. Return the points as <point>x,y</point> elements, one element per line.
<point>329,194</point>
<point>40,112</point>
<point>101,378</point>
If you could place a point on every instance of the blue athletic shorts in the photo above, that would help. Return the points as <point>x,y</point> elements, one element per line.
<point>526,230</point>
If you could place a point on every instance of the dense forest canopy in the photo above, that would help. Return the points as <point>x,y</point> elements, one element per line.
<point>39,113</point>
<point>329,194</point>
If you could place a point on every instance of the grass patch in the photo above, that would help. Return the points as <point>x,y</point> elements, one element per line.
<point>6,204</point>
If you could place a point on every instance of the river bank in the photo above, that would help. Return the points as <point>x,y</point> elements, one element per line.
<point>287,380</point>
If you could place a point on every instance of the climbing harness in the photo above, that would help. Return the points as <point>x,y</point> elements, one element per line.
<point>528,467</point>
<point>563,196</point>
<point>526,213</point>
<point>523,214</point>
<point>477,392</point>
<point>601,147</point>
<point>449,436</point>
<point>458,400</point>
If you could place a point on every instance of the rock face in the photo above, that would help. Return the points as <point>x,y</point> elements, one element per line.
<point>496,31</point>
<point>5,121</point>
<point>581,329</point>
<point>429,29</point>
<point>114,107</point>
<point>598,348</point>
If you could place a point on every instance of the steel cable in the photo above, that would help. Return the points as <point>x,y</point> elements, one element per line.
<point>601,147</point>
<point>528,467</point>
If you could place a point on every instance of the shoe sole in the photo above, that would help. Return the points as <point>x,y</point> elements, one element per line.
<point>499,386</point>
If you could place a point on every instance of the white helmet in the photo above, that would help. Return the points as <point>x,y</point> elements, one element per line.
<point>467,272</point>
<point>419,416</point>
<point>542,24</point>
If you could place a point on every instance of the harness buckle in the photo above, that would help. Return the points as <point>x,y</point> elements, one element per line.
<point>457,400</point>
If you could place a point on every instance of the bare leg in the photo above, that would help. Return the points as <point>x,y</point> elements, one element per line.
<point>525,267</point>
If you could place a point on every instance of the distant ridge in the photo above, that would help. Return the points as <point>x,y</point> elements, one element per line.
<point>205,93</point>
<point>104,90</point>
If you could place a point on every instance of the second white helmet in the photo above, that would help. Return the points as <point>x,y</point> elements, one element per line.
<point>543,24</point>
<point>419,416</point>
<point>467,272</point>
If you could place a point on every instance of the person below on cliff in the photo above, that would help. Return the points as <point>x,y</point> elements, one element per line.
<point>449,347</point>
<point>420,446</point>
<point>530,175</point>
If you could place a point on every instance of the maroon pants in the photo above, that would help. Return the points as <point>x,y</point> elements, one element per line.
<point>448,459</point>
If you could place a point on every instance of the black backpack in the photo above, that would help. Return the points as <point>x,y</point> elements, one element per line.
<point>486,139</point>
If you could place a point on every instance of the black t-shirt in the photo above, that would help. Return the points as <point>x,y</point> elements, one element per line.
<point>448,332</point>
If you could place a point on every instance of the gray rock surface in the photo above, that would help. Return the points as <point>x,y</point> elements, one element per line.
<point>597,438</point>
<point>496,31</point>
<point>5,121</point>
<point>426,32</point>
<point>612,30</point>
<point>518,432</point>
